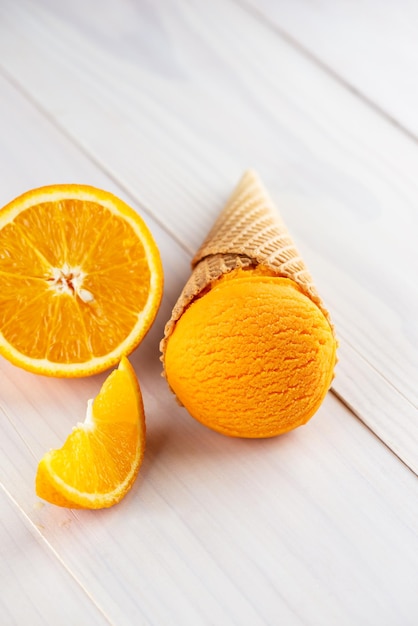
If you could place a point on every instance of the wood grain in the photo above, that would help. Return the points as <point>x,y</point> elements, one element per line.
<point>215,530</point>
<point>371,47</point>
<point>315,528</point>
<point>35,586</point>
<point>174,104</point>
<point>225,531</point>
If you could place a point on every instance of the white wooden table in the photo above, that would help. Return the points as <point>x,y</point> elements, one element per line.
<point>165,104</point>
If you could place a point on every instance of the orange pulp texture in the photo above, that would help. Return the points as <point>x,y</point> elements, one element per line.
<point>81,280</point>
<point>253,357</point>
<point>100,459</point>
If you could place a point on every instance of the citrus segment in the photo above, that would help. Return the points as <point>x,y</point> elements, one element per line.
<point>100,459</point>
<point>81,280</point>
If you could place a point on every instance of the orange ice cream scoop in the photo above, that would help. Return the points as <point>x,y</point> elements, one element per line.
<point>253,357</point>
<point>250,349</point>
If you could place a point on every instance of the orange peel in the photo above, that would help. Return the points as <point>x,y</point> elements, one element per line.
<point>99,461</point>
<point>81,280</point>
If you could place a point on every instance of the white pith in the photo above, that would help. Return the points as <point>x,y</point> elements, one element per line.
<point>61,281</point>
<point>108,497</point>
<point>104,498</point>
<point>69,280</point>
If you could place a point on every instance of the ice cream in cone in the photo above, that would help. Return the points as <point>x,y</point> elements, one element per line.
<point>249,349</point>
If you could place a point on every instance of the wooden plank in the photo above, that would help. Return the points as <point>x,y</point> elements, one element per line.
<point>370,46</point>
<point>359,383</point>
<point>230,531</point>
<point>176,138</point>
<point>215,530</point>
<point>35,588</point>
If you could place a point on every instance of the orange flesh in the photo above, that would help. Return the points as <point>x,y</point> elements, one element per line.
<point>41,315</point>
<point>253,357</point>
<point>100,459</point>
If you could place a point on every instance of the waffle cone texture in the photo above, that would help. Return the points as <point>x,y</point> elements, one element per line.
<point>249,232</point>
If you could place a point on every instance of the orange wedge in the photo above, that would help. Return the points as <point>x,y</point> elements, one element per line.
<point>80,280</point>
<point>100,459</point>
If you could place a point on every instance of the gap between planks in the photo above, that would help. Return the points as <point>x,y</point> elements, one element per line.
<point>353,412</point>
<point>300,49</point>
<point>143,207</point>
<point>327,69</point>
<point>94,160</point>
<point>36,531</point>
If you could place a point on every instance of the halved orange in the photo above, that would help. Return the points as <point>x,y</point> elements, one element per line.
<point>100,459</point>
<point>80,280</point>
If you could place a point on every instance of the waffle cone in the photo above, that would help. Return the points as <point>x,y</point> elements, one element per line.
<point>249,232</point>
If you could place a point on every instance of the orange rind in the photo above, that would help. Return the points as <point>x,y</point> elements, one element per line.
<point>99,461</point>
<point>81,280</point>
